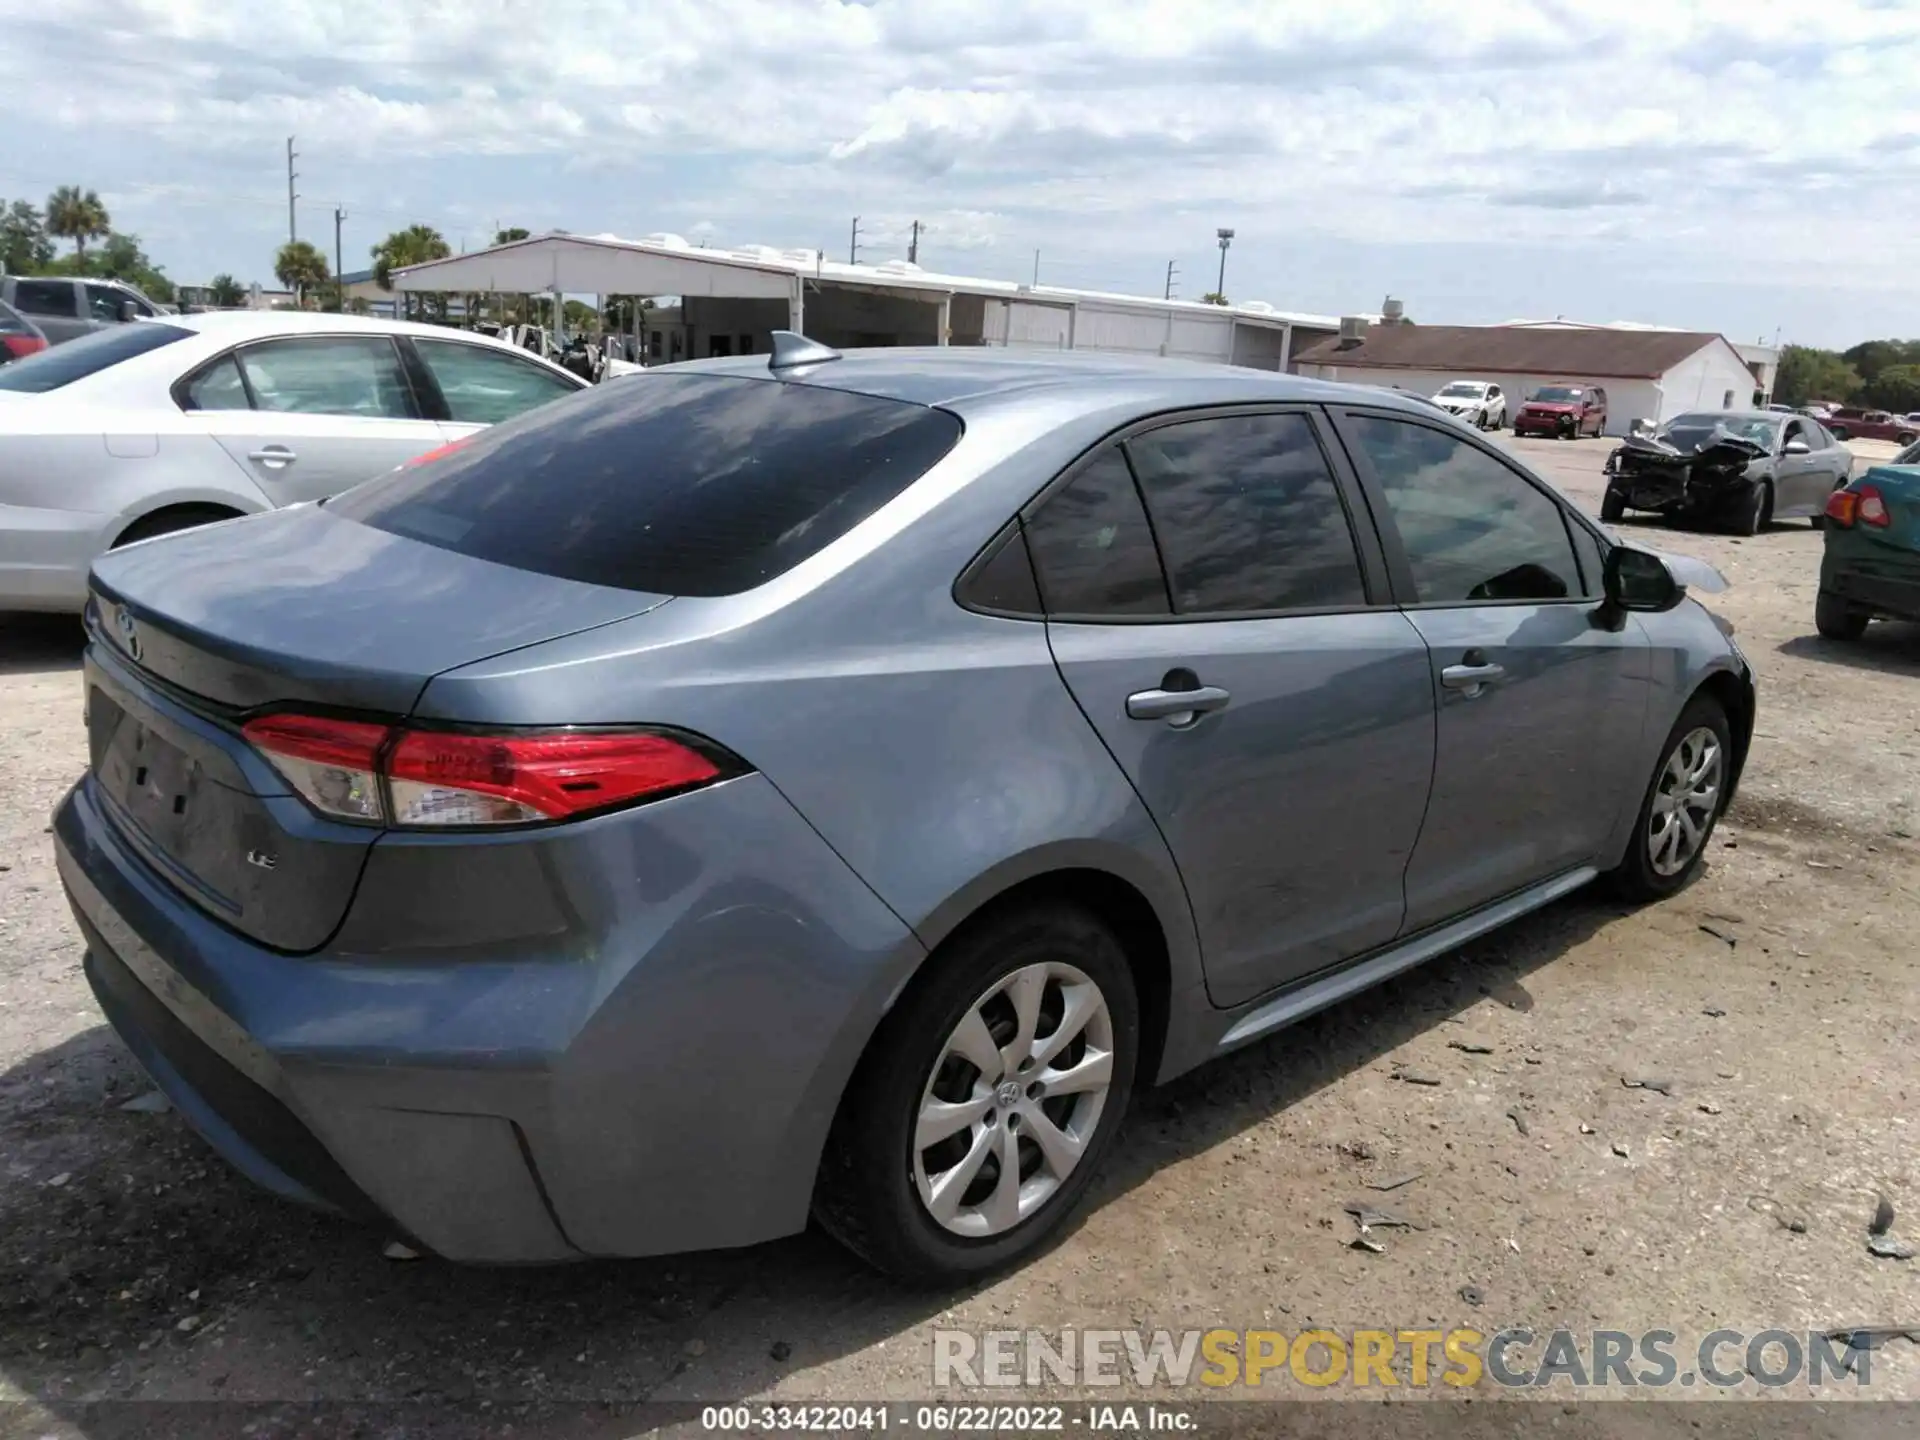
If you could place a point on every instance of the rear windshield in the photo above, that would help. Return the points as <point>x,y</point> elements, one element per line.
<point>673,484</point>
<point>89,355</point>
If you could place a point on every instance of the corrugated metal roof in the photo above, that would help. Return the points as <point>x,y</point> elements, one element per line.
<point>1508,349</point>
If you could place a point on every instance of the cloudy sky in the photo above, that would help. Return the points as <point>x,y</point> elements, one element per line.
<point>1746,167</point>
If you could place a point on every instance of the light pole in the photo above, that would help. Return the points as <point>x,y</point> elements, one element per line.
<point>1226,239</point>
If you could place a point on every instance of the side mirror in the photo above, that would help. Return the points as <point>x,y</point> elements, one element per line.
<point>129,311</point>
<point>1635,580</point>
<point>1796,447</point>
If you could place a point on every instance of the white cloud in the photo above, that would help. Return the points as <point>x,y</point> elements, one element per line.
<point>1741,140</point>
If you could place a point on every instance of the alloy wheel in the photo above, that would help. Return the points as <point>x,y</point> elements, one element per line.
<point>1684,802</point>
<point>1014,1099</point>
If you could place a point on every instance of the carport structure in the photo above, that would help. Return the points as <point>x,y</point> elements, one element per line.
<point>731,301</point>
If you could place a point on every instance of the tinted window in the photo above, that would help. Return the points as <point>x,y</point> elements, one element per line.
<point>45,297</point>
<point>484,387</point>
<point>104,302</point>
<point>1586,549</point>
<point>218,387</point>
<point>678,485</point>
<point>1003,578</point>
<point>1473,530</point>
<point>1092,547</point>
<point>1247,515</point>
<point>90,354</point>
<point>330,375</point>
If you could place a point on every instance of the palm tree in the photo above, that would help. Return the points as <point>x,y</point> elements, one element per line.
<point>77,215</point>
<point>507,237</point>
<point>224,291</point>
<point>1213,297</point>
<point>299,267</point>
<point>414,245</point>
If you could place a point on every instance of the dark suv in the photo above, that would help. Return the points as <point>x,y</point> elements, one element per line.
<point>1564,412</point>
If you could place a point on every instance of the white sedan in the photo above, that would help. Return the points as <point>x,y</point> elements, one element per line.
<point>1480,404</point>
<point>155,426</point>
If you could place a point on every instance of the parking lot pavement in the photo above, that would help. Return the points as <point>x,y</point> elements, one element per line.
<point>1779,997</point>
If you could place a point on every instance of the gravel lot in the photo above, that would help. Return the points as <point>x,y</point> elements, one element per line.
<point>135,1266</point>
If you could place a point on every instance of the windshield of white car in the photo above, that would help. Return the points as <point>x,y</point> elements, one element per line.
<point>1466,389</point>
<point>89,355</point>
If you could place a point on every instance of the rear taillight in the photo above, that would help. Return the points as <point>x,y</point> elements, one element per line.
<point>21,346</point>
<point>427,779</point>
<point>1865,506</point>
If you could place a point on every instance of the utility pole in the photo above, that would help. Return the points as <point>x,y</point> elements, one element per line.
<point>1171,274</point>
<point>913,245</point>
<point>338,216</point>
<point>293,231</point>
<point>1226,239</point>
<point>853,244</point>
<point>1036,267</point>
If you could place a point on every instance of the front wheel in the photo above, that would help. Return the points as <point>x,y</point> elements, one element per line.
<point>983,1108</point>
<point>1834,618</point>
<point>1682,805</point>
<point>1613,509</point>
<point>1751,517</point>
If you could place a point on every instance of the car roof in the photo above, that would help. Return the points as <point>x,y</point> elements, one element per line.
<point>966,378</point>
<point>232,323</point>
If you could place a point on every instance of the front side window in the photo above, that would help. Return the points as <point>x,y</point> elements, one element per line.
<point>349,375</point>
<point>483,387</point>
<point>1248,515</point>
<point>1092,547</point>
<point>1473,530</point>
<point>672,485</point>
<point>104,302</point>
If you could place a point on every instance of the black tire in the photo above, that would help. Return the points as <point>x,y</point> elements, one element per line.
<point>1835,619</point>
<point>1905,437</point>
<point>1612,508</point>
<point>866,1196</point>
<point>1751,517</point>
<point>1635,878</point>
<point>170,522</point>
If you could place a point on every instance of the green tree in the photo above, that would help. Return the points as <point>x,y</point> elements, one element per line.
<point>300,267</point>
<point>77,215</point>
<point>507,237</point>
<point>121,258</point>
<point>1870,357</point>
<point>24,245</point>
<point>414,245</point>
<point>223,290</point>
<point>1213,297</point>
<point>1807,374</point>
<point>1895,388</point>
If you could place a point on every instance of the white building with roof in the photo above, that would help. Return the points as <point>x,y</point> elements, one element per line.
<point>730,301</point>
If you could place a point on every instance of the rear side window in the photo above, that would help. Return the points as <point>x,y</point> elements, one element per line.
<point>1248,516</point>
<point>676,485</point>
<point>485,387</point>
<point>1093,548</point>
<point>90,354</point>
<point>218,387</point>
<point>46,297</point>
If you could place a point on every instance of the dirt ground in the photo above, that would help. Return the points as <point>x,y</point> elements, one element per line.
<point>1780,997</point>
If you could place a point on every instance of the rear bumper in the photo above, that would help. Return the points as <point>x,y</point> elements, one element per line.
<point>654,1073</point>
<point>45,556</point>
<point>1884,586</point>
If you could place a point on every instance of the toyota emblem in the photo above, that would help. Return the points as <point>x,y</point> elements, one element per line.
<point>129,636</point>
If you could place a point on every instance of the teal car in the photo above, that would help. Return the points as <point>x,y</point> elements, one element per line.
<point>1871,568</point>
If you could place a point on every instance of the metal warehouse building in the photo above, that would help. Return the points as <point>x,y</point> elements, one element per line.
<point>731,300</point>
<point>1647,374</point>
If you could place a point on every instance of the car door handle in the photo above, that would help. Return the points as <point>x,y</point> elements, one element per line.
<point>273,455</point>
<point>1179,706</point>
<point>1470,680</point>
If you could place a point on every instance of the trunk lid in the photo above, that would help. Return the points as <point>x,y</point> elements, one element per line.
<point>298,609</point>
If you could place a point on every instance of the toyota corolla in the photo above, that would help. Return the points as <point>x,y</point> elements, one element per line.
<point>829,785</point>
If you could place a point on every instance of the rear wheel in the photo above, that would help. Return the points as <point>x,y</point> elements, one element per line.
<point>1682,805</point>
<point>169,522</point>
<point>983,1108</point>
<point>1905,437</point>
<point>1834,618</point>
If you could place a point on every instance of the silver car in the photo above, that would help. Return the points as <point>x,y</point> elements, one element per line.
<point>161,425</point>
<point>65,308</point>
<point>829,785</point>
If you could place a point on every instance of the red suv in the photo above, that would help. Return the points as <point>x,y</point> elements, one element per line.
<point>1564,412</point>
<point>1849,423</point>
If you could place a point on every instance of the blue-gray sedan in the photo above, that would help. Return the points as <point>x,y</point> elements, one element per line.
<point>830,785</point>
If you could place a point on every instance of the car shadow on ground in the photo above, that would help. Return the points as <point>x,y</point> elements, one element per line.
<point>1890,646</point>
<point>134,1262</point>
<point>46,643</point>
